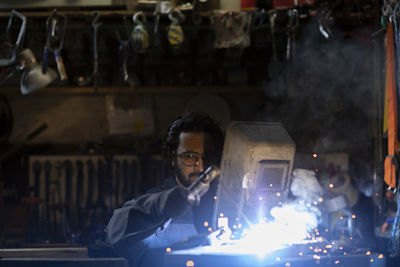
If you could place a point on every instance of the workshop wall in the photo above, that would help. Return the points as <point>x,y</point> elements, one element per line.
<point>80,119</point>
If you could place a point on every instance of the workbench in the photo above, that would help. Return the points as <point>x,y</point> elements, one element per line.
<point>46,257</point>
<point>194,257</point>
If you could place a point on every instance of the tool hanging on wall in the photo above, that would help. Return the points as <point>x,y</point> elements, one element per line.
<point>292,26</point>
<point>56,25</point>
<point>8,49</point>
<point>47,177</point>
<point>123,55</point>
<point>231,29</point>
<point>140,35</point>
<point>79,192</point>
<point>175,32</point>
<point>156,31</point>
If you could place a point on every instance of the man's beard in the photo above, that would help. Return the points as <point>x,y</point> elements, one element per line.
<point>181,178</point>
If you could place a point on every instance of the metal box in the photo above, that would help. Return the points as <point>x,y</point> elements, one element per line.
<point>256,171</point>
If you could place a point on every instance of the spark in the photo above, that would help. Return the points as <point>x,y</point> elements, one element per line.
<point>287,264</point>
<point>189,263</point>
<point>278,259</point>
<point>168,250</point>
<point>315,155</point>
<point>209,229</point>
<point>205,224</point>
<point>368,253</point>
<point>278,194</point>
<point>221,215</point>
<point>380,256</point>
<point>215,197</point>
<point>321,199</point>
<point>260,198</point>
<point>372,260</point>
<point>330,185</point>
<point>337,262</point>
<point>300,254</point>
<point>270,185</point>
<point>353,216</point>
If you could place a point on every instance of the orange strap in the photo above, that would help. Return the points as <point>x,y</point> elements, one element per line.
<point>393,142</point>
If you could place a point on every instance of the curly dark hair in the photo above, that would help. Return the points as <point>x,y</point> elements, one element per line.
<point>194,122</point>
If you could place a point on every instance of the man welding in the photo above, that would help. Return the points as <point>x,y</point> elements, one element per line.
<point>145,227</point>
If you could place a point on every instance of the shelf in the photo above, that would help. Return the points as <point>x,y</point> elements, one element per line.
<point>89,91</point>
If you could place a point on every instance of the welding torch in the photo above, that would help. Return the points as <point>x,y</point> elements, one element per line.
<point>202,184</point>
<point>205,177</point>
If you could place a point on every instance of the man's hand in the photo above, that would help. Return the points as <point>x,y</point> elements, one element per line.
<point>201,186</point>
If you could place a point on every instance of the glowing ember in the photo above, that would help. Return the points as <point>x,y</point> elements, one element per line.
<point>315,155</point>
<point>168,250</point>
<point>353,216</point>
<point>189,264</point>
<point>206,224</point>
<point>380,256</point>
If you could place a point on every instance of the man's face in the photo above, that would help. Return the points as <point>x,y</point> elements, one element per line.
<point>189,142</point>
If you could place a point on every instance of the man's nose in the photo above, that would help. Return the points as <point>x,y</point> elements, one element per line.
<point>199,165</point>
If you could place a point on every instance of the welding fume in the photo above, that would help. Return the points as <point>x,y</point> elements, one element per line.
<point>262,203</point>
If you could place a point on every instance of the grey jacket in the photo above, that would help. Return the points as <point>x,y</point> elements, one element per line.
<point>132,225</point>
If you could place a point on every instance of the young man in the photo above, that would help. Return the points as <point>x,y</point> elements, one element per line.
<point>144,227</point>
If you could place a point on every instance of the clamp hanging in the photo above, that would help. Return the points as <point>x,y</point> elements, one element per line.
<point>54,42</point>
<point>140,35</point>
<point>175,31</point>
